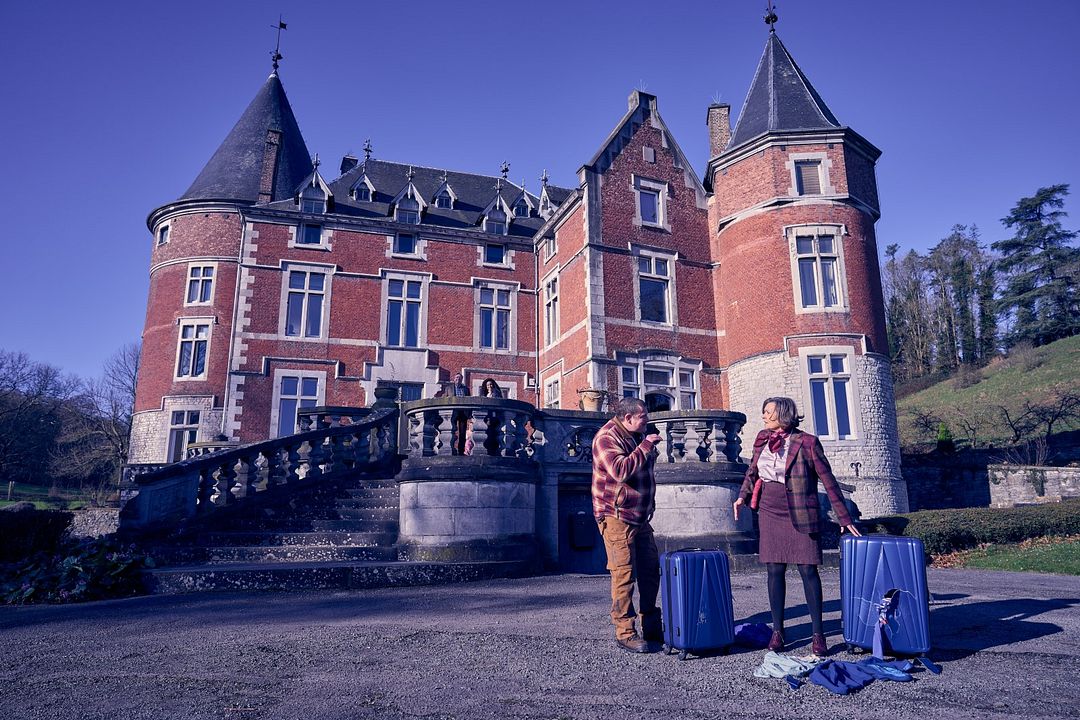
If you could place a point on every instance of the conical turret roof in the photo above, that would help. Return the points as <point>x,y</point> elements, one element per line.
<point>235,170</point>
<point>781,99</point>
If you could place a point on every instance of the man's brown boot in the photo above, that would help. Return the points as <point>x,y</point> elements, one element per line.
<point>635,644</point>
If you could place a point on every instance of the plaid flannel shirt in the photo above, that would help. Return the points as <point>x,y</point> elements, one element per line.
<point>806,465</point>
<point>623,485</point>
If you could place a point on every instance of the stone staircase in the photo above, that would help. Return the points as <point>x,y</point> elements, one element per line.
<point>339,536</point>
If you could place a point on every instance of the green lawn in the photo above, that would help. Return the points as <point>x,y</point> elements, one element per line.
<point>1045,555</point>
<point>42,498</point>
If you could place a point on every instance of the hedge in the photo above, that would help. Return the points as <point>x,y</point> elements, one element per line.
<point>945,531</point>
<point>25,530</point>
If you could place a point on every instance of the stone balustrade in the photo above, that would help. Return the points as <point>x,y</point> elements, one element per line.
<point>330,416</point>
<point>496,427</point>
<point>199,485</point>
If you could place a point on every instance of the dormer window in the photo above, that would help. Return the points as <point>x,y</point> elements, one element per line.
<point>521,208</point>
<point>443,200</point>
<point>408,211</point>
<point>313,201</point>
<point>495,222</point>
<point>363,193</point>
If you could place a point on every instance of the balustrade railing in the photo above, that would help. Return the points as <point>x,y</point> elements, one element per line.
<point>330,416</point>
<point>485,426</point>
<point>199,485</point>
<point>709,436</point>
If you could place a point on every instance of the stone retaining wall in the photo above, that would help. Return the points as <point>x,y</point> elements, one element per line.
<point>1012,485</point>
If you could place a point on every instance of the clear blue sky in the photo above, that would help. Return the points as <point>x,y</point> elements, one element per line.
<point>111,109</point>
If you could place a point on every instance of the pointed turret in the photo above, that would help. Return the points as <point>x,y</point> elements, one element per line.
<point>781,99</point>
<point>264,157</point>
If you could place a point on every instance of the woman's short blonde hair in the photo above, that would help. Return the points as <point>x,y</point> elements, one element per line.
<point>787,413</point>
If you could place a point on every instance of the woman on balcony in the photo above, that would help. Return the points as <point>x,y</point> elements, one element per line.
<point>490,388</point>
<point>782,485</point>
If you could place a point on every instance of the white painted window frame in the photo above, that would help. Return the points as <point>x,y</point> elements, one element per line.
<point>838,233</point>
<point>195,322</point>
<point>213,283</point>
<point>853,400</point>
<point>275,407</point>
<point>553,391</point>
<point>495,287</point>
<point>637,254</point>
<point>824,167</point>
<point>552,314</point>
<point>384,312</point>
<point>639,183</point>
<point>283,302</point>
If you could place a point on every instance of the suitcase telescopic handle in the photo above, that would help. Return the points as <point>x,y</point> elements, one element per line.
<point>689,549</point>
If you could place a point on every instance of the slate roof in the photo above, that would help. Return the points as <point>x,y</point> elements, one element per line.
<point>473,194</point>
<point>781,99</point>
<point>234,171</point>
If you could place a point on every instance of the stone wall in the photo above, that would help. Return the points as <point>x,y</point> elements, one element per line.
<point>1012,485</point>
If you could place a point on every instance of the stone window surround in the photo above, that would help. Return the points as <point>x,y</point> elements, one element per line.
<point>283,301</point>
<point>387,275</point>
<point>275,405</point>
<point>639,183</point>
<point>162,233</point>
<point>508,257</point>
<point>495,285</point>
<point>660,361</point>
<point>171,429</point>
<point>672,307</point>
<point>420,252</point>
<point>555,336</point>
<point>854,402</point>
<point>213,283</point>
<point>825,166</point>
<point>550,245</point>
<point>193,320</point>
<point>555,379</point>
<point>325,237</point>
<point>838,232</point>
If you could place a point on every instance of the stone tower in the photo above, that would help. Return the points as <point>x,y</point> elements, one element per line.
<point>188,339</point>
<point>799,308</point>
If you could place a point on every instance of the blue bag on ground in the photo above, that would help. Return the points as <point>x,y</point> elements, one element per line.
<point>695,588</point>
<point>884,601</point>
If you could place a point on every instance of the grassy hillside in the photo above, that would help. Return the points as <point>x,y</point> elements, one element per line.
<point>971,403</point>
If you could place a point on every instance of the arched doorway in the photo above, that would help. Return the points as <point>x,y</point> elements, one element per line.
<point>657,402</point>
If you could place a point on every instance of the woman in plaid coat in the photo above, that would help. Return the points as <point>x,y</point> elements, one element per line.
<point>782,485</point>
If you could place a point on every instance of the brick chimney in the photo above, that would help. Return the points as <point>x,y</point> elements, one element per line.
<point>348,162</point>
<point>719,122</point>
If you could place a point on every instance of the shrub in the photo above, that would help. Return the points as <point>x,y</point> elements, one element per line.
<point>945,531</point>
<point>25,530</point>
<point>79,570</point>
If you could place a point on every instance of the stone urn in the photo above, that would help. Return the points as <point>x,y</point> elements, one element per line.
<point>592,400</point>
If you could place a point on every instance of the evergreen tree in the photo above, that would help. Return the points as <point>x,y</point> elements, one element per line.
<point>1039,292</point>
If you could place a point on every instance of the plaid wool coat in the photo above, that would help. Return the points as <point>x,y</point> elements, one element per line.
<point>623,485</point>
<point>806,465</point>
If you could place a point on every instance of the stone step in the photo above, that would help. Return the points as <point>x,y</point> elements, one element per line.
<point>376,514</point>
<point>300,525</point>
<point>295,539</point>
<point>365,503</point>
<point>325,575</point>
<point>382,492</point>
<point>182,556</point>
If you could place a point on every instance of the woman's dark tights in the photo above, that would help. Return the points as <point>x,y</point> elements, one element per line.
<point>811,583</point>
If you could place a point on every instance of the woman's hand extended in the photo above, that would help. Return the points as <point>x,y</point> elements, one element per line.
<point>737,504</point>
<point>851,529</point>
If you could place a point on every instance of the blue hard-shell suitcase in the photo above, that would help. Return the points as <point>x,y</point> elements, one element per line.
<point>695,587</point>
<point>884,601</point>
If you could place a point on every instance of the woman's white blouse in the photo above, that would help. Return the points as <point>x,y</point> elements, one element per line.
<point>771,464</point>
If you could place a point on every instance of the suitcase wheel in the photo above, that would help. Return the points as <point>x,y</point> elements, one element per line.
<point>855,649</point>
<point>666,648</point>
<point>682,655</point>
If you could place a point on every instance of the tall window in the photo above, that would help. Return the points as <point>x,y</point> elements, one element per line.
<point>191,357</point>
<point>819,271</point>
<point>494,318</point>
<point>651,202</point>
<point>551,393</point>
<point>653,277</point>
<point>687,391</point>
<point>294,392</point>
<point>408,211</point>
<point>163,235</point>
<point>183,429</point>
<point>831,399</point>
<point>200,285</point>
<point>304,305</point>
<point>403,313</point>
<point>808,177</point>
<point>551,310</point>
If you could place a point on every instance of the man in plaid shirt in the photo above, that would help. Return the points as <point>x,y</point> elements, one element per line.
<point>624,498</point>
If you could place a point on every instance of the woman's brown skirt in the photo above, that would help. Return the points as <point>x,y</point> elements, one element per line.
<point>779,541</point>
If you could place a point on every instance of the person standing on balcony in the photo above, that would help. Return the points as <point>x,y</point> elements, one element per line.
<point>490,388</point>
<point>458,388</point>
<point>624,498</point>
<point>782,485</point>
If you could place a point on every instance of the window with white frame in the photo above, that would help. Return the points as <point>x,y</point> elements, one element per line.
<point>654,380</point>
<point>444,200</point>
<point>313,201</point>
<point>403,312</point>
<point>687,391</point>
<point>200,285</point>
<point>183,430</point>
<point>191,355</point>
<point>408,211</point>
<point>832,405</point>
<point>521,208</point>
<point>362,193</point>
<point>163,235</point>
<point>495,325</point>
<point>651,202</point>
<point>550,247</point>
<point>310,234</point>
<point>808,177</point>
<point>405,244</point>
<point>654,275</point>
<point>629,377</point>
<point>551,310</point>
<point>551,393</point>
<point>818,268</point>
<point>495,222</point>
<point>294,391</point>
<point>304,303</point>
<point>494,254</point>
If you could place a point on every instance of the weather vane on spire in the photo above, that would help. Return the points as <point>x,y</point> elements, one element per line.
<point>368,149</point>
<point>276,55</point>
<point>544,178</point>
<point>770,18</point>
<point>504,169</point>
